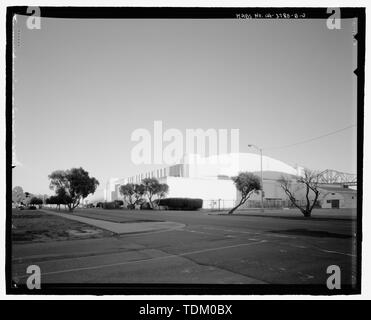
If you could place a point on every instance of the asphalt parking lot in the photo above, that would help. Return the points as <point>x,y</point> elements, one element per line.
<point>209,249</point>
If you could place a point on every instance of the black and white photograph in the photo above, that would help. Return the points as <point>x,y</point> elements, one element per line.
<point>184,150</point>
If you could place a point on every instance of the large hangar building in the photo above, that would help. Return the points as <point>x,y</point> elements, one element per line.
<point>209,178</point>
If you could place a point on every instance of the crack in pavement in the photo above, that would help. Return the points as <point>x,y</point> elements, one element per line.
<point>259,281</point>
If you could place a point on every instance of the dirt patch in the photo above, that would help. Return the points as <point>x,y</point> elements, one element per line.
<point>37,226</point>
<point>83,232</point>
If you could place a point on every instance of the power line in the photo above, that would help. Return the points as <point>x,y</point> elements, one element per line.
<point>312,139</point>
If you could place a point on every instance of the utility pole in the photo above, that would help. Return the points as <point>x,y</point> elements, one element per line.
<point>261,174</point>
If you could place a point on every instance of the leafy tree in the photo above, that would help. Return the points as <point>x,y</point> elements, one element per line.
<point>163,191</point>
<point>54,200</point>
<point>133,193</point>
<point>127,191</point>
<point>139,192</point>
<point>119,203</point>
<point>36,201</point>
<point>41,196</point>
<point>152,188</point>
<point>309,180</point>
<point>61,197</point>
<point>17,194</point>
<point>72,185</point>
<point>27,198</point>
<point>246,183</point>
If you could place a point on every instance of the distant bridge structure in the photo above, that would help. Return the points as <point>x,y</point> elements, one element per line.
<point>336,177</point>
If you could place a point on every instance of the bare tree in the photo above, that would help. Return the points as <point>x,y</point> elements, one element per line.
<point>309,180</point>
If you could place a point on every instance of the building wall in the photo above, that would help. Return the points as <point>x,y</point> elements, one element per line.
<point>209,179</point>
<point>209,190</point>
<point>350,201</point>
<point>346,199</point>
<point>274,195</point>
<point>326,200</point>
<point>222,194</point>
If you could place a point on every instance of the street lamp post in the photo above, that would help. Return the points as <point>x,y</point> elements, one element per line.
<point>261,173</point>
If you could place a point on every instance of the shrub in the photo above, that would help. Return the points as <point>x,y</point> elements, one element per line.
<point>180,203</point>
<point>110,205</point>
<point>32,208</point>
<point>35,201</point>
<point>119,203</point>
<point>146,206</point>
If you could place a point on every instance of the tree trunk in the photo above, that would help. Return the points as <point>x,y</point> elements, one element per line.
<point>233,210</point>
<point>150,202</point>
<point>307,207</point>
<point>236,207</point>
<point>307,213</point>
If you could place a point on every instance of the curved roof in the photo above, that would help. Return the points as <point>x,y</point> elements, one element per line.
<point>233,163</point>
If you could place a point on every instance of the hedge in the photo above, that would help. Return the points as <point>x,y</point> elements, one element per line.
<point>111,205</point>
<point>180,203</point>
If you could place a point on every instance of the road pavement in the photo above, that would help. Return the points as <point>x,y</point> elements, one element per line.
<point>209,249</point>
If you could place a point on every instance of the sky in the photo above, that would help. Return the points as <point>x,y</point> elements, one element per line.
<point>81,87</point>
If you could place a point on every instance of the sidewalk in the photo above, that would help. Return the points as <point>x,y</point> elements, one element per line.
<point>121,228</point>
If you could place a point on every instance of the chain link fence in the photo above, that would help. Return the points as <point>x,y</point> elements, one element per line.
<point>224,204</point>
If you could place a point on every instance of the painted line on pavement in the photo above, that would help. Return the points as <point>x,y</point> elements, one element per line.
<point>283,236</point>
<point>337,252</point>
<point>147,260</point>
<point>194,231</point>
